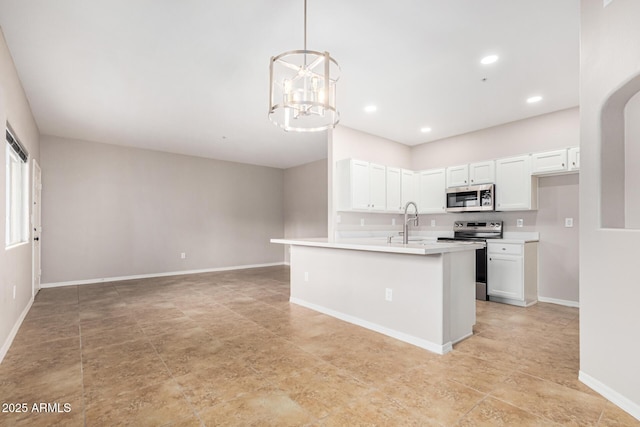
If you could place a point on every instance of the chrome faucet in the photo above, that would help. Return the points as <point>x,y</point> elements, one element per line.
<point>414,218</point>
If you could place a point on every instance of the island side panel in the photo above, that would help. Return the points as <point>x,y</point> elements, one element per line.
<point>351,285</point>
<point>460,295</point>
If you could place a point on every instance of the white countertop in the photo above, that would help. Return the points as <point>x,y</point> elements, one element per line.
<point>415,247</point>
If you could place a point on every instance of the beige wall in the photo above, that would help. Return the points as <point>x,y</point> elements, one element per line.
<point>631,171</point>
<point>305,201</point>
<point>540,133</point>
<point>111,211</point>
<point>609,286</point>
<point>558,196</point>
<point>15,263</point>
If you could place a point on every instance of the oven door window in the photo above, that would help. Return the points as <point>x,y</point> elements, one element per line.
<point>462,199</point>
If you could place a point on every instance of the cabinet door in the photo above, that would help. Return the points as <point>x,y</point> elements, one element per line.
<point>482,172</point>
<point>458,176</point>
<point>505,276</point>
<point>408,192</point>
<point>549,162</point>
<point>574,158</point>
<point>515,190</point>
<point>432,187</point>
<point>394,188</point>
<point>377,187</point>
<point>359,185</point>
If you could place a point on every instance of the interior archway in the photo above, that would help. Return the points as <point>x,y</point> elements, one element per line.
<point>620,143</point>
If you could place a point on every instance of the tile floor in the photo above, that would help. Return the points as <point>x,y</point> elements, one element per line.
<point>228,349</point>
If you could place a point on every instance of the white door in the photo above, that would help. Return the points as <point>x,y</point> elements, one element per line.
<point>394,198</point>
<point>458,176</point>
<point>482,172</point>
<point>433,197</point>
<point>513,184</point>
<point>505,277</point>
<point>36,226</point>
<point>360,185</point>
<point>377,187</point>
<point>407,191</point>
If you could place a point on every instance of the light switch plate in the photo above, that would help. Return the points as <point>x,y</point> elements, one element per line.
<point>433,222</point>
<point>519,222</point>
<point>362,222</point>
<point>393,221</point>
<point>568,222</point>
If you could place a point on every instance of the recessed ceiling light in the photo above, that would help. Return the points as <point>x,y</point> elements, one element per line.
<point>533,99</point>
<point>425,129</point>
<point>489,59</point>
<point>370,108</point>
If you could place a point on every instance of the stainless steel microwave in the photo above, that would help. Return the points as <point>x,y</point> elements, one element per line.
<point>474,198</point>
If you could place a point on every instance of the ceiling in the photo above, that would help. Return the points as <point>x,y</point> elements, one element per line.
<point>192,76</point>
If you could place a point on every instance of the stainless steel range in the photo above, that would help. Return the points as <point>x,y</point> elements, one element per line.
<point>478,231</point>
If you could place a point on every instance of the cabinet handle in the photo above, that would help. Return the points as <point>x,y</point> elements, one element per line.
<point>563,165</point>
<point>504,249</point>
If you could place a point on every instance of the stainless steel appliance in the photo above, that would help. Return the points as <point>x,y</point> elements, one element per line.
<point>474,198</point>
<point>478,231</point>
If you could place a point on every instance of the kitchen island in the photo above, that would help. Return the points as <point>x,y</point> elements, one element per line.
<point>422,293</point>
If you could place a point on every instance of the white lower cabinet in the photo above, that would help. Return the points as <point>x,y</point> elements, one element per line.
<point>512,272</point>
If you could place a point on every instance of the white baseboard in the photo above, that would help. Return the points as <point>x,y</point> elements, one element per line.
<point>418,342</point>
<point>567,303</point>
<point>147,276</point>
<point>7,343</point>
<point>616,398</point>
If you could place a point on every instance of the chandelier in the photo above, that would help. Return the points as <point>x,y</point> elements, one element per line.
<point>302,95</point>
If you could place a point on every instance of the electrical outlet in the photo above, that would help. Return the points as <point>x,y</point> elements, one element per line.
<point>519,222</point>
<point>433,222</point>
<point>568,222</point>
<point>388,294</point>
<point>362,222</point>
<point>606,3</point>
<point>306,276</point>
<point>183,255</point>
<point>393,221</point>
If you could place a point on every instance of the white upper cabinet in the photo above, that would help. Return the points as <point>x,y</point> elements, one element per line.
<point>432,187</point>
<point>482,173</point>
<point>574,158</point>
<point>549,162</point>
<point>515,188</point>
<point>377,187</point>
<point>360,185</point>
<point>409,190</point>
<point>471,174</point>
<point>458,176</point>
<point>394,189</point>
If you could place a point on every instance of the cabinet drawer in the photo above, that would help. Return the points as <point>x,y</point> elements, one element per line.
<point>504,248</point>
